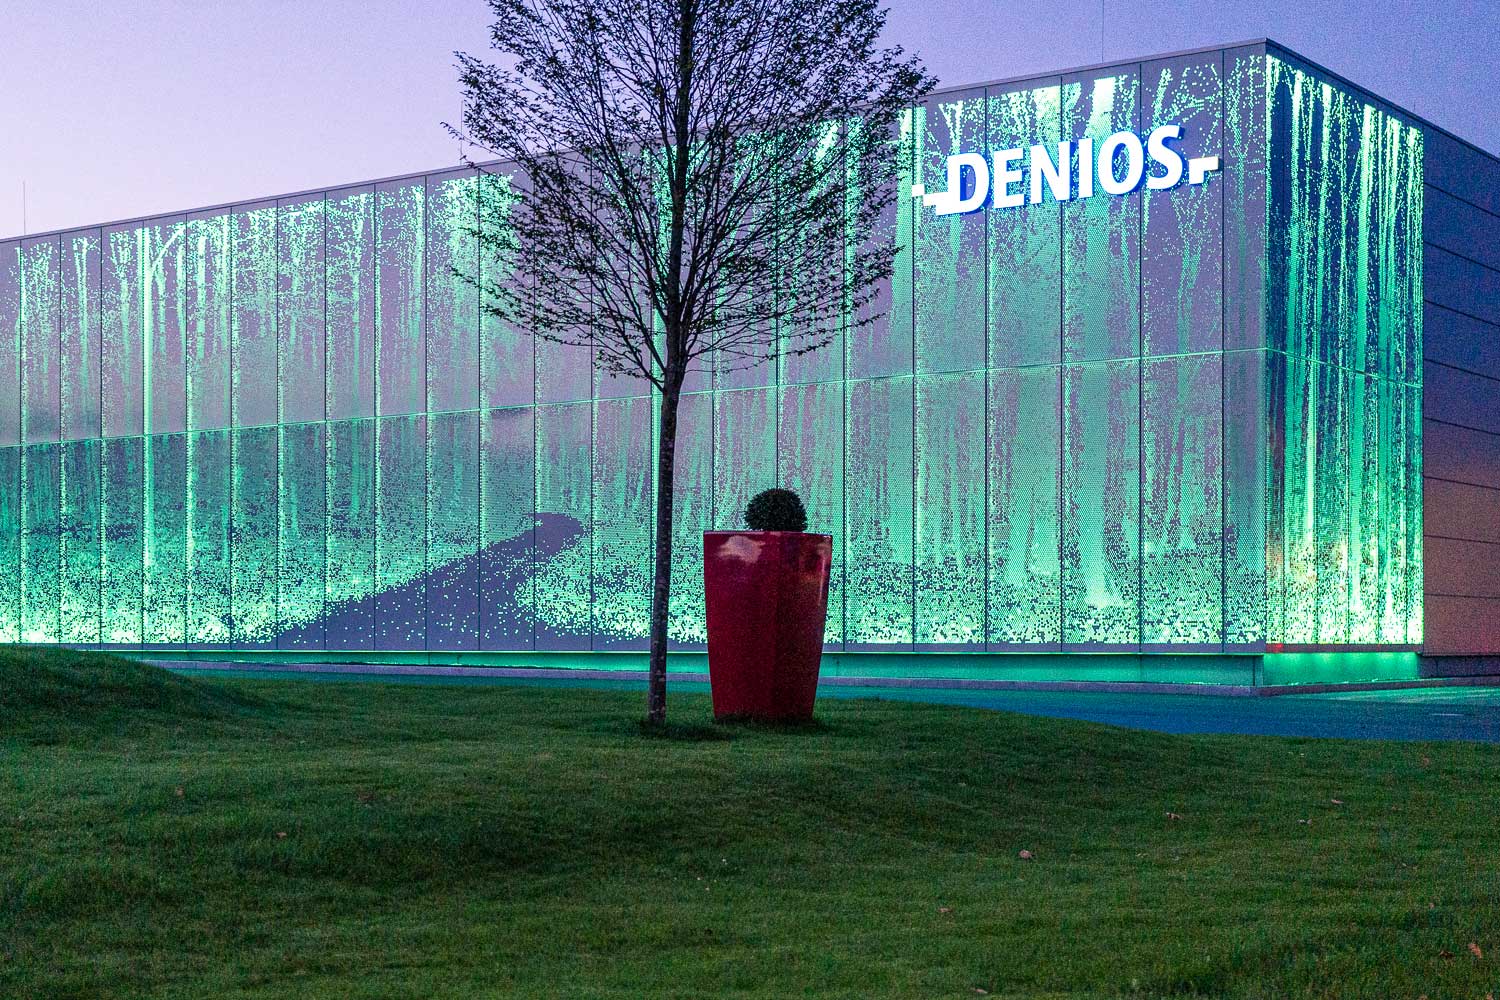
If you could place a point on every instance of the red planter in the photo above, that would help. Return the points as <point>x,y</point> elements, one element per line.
<point>767,604</point>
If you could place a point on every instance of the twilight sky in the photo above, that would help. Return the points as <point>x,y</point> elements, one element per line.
<point>115,110</point>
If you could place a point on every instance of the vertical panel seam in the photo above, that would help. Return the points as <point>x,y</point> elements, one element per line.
<point>1140,386</point>
<point>1224,478</point>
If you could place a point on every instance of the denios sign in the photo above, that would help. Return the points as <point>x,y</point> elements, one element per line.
<point>1118,166</point>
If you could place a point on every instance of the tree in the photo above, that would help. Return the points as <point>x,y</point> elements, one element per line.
<point>702,184</point>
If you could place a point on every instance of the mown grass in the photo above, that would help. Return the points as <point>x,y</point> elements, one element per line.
<point>167,837</point>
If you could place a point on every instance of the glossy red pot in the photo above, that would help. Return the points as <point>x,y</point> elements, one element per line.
<point>767,602</point>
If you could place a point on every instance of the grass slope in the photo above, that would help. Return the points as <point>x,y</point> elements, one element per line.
<point>48,693</point>
<point>172,838</point>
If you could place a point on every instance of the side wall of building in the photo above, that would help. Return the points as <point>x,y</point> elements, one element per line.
<point>1343,369</point>
<point>1461,399</point>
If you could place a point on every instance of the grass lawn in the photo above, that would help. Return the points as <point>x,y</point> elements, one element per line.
<point>167,837</point>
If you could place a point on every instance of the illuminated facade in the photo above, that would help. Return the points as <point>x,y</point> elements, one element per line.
<point>1182,421</point>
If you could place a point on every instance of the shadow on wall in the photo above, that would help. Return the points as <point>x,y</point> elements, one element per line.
<point>501,571</point>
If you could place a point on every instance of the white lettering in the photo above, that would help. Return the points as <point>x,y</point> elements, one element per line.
<point>1057,173</point>
<point>1135,163</point>
<point>1024,175</point>
<point>1166,156</point>
<point>1005,176</point>
<point>951,201</point>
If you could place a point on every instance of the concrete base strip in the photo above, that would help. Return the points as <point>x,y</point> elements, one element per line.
<point>554,674</point>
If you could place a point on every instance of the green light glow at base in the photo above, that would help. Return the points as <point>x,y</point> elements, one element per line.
<point>1200,669</point>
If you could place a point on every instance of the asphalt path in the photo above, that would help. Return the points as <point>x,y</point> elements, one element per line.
<point>1452,713</point>
<point>1436,713</point>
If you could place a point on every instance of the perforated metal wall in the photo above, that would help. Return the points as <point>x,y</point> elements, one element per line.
<point>1172,420</point>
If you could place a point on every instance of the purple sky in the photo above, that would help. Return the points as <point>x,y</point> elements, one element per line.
<point>110,111</point>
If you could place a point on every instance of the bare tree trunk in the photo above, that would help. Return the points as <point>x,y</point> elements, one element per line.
<point>666,459</point>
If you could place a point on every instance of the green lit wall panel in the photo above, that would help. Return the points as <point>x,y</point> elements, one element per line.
<point>827,363</point>
<point>732,372</point>
<point>79,303</point>
<point>452,301</point>
<point>759,154</point>
<point>1281,467</point>
<point>1345,244</point>
<point>1025,467</point>
<point>401,342</point>
<point>453,471</point>
<point>878,503</point>
<point>41,499</point>
<point>950,509</point>
<point>301,536</point>
<point>1400,541</point>
<point>883,347</point>
<point>739,373</point>
<point>1246,194</point>
<point>10,542</point>
<point>207,320</point>
<point>1299,516</point>
<point>1248,457</point>
<point>123,559</point>
<point>745,459</point>
<point>161,262</point>
<point>401,532</point>
<point>1344,266</point>
<point>1365,585</point>
<point>1182,301</point>
<point>507,528</point>
<point>810,460</point>
<point>563,559</point>
<point>1411,528</point>
<point>620,558</point>
<point>1339,514</point>
<point>948,252</point>
<point>164,600</point>
<point>1346,274</point>
<point>1101,504</point>
<point>564,372</point>
<point>1101,235</point>
<point>41,380</point>
<point>79,538</point>
<point>301,298</point>
<point>349,283</point>
<point>209,563</point>
<point>10,343</point>
<point>1025,243</point>
<point>507,353</point>
<point>349,476</point>
<point>1394,321</point>
<point>693,514</point>
<point>254,392</point>
<point>1182,510</point>
<point>253,531</point>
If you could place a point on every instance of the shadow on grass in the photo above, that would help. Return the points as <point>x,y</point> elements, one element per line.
<point>684,732</point>
<point>733,727</point>
<point>790,727</point>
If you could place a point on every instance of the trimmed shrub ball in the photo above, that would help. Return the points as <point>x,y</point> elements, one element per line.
<point>776,510</point>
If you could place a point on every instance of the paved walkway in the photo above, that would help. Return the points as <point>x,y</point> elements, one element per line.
<point>1443,713</point>
<point>1454,713</point>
